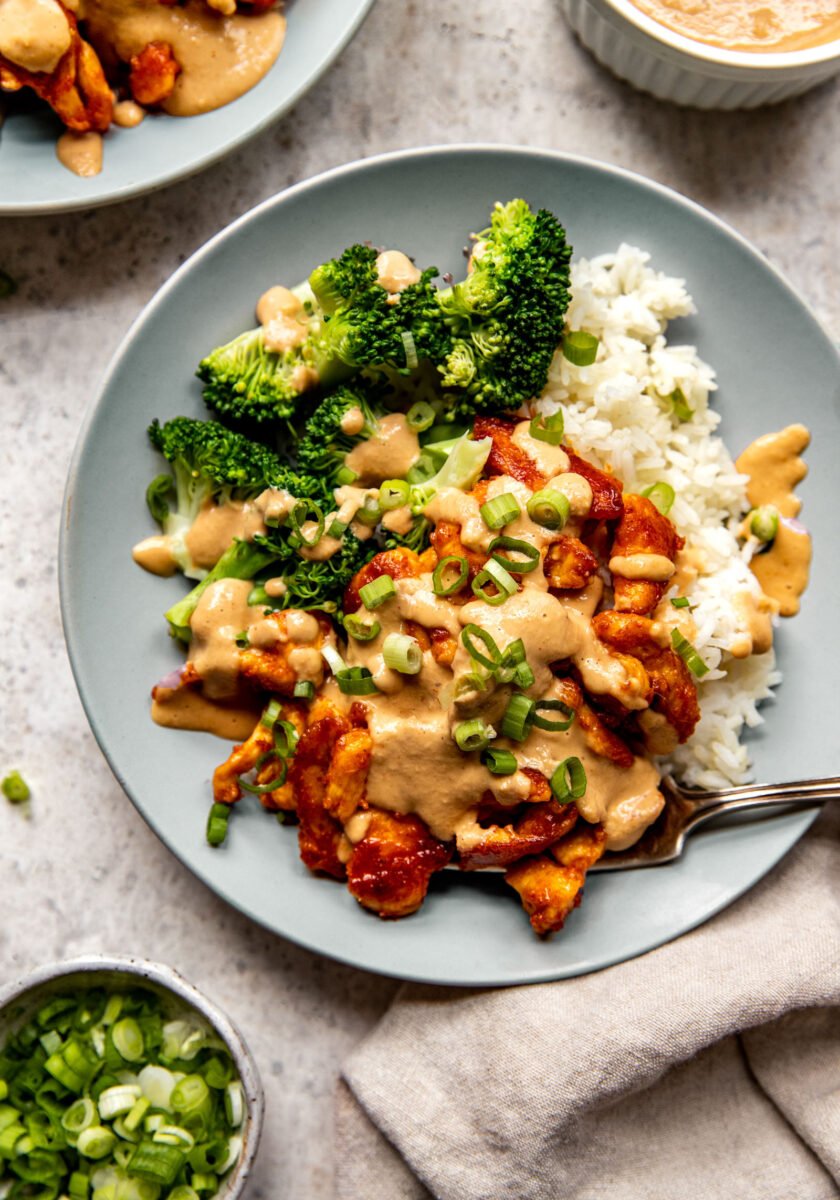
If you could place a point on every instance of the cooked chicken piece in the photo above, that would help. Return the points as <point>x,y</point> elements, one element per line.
<point>77,89</point>
<point>642,530</point>
<point>268,667</point>
<point>550,890</point>
<point>401,563</point>
<point>533,827</point>
<point>440,641</point>
<point>599,738</point>
<point>506,458</point>
<point>390,867</point>
<point>245,757</point>
<point>607,501</point>
<point>347,775</point>
<point>673,684</point>
<point>319,833</point>
<point>153,74</point>
<point>446,540</point>
<point>568,564</point>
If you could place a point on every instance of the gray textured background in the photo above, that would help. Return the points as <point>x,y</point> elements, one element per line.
<point>84,873</point>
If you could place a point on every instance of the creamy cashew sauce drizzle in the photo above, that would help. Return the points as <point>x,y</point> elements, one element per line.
<point>774,468</point>
<point>389,454</point>
<point>416,765</point>
<point>772,26</point>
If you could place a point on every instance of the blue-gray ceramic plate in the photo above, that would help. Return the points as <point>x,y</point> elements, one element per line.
<point>164,149</point>
<point>775,365</point>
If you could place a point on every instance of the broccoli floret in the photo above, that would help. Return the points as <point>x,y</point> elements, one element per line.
<point>313,584</point>
<point>324,445</point>
<point>242,560</point>
<point>211,464</point>
<point>417,538</point>
<point>506,318</point>
<point>352,324</point>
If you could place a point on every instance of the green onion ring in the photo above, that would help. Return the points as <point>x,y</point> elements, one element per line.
<point>420,416</point>
<point>402,653</point>
<point>548,428</point>
<point>298,517</point>
<point>661,495</point>
<point>568,781</point>
<point>356,681</point>
<point>304,690</point>
<point>473,735</point>
<point>516,723</point>
<point>500,511</point>
<point>516,566</point>
<point>688,654</point>
<point>580,348</point>
<point>499,762</point>
<point>549,508</point>
<point>438,586</point>
<point>377,591</point>
<point>262,789</point>
<point>553,706</point>
<point>475,631</point>
<point>393,493</point>
<point>503,582</point>
<point>360,629</point>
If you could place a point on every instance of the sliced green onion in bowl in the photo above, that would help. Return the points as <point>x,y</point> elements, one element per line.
<point>500,511</point>
<point>516,723</point>
<point>523,676</point>
<point>502,581</point>
<point>393,493</point>
<point>568,781</point>
<point>420,416</point>
<point>300,515</point>
<point>444,569</point>
<point>356,681</point>
<point>661,495</point>
<point>473,735</point>
<point>515,566</point>
<point>580,347</point>
<point>96,1141</point>
<point>549,508</point>
<point>499,762</point>
<point>377,592</point>
<point>360,629</point>
<point>688,654</point>
<point>548,428</point>
<point>764,522</point>
<point>127,1037</point>
<point>402,653</point>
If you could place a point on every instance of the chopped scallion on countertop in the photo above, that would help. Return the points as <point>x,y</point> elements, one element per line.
<point>15,788</point>
<point>117,1095</point>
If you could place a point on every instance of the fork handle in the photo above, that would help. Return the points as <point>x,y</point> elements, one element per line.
<point>803,795</point>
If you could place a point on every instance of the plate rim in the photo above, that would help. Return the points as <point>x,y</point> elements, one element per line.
<point>133,191</point>
<point>533,975</point>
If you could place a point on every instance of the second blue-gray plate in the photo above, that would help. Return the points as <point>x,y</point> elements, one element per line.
<point>774,365</point>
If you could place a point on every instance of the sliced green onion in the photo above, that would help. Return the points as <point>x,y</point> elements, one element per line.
<point>356,681</point>
<point>370,512</point>
<point>503,582</point>
<point>402,653</point>
<point>764,522</point>
<point>127,1037</point>
<point>333,659</point>
<point>15,788</point>
<point>422,470</point>
<point>549,508</point>
<point>78,1186</point>
<point>580,348</point>
<point>523,676</point>
<point>568,781</point>
<point>661,495</point>
<point>51,1041</point>
<point>173,1135</point>
<point>304,690</point>
<point>688,654</point>
<point>514,653</point>
<point>377,592</point>
<point>286,737</point>
<point>681,602</point>
<point>300,515</point>
<point>411,359</point>
<point>516,723</point>
<point>234,1104</point>
<point>420,416</point>
<point>548,428</point>
<point>156,493</point>
<point>183,1192</point>
<point>242,639</point>
<point>79,1116</point>
<point>451,561</point>
<point>681,407</point>
<point>158,1164</point>
<point>114,1101</point>
<point>263,789</point>
<point>500,511</point>
<point>337,529</point>
<point>360,629</point>
<point>217,824</point>
<point>499,762</point>
<point>553,706</point>
<point>345,476</point>
<point>468,633</point>
<point>272,711</point>
<point>469,685</point>
<point>139,1109</point>
<point>96,1142</point>
<point>516,566</point>
<point>473,735</point>
<point>205,1183</point>
<point>393,493</point>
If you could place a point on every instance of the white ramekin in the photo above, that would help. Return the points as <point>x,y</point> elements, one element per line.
<point>20,998</point>
<point>672,67</point>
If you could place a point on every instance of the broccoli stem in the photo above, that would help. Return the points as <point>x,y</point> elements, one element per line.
<point>242,560</point>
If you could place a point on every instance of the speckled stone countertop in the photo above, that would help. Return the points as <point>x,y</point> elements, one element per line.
<point>84,873</point>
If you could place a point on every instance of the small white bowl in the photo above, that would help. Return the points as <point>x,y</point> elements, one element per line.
<point>19,1000</point>
<point>672,67</point>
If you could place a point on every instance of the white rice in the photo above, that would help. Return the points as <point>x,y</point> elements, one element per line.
<point>618,411</point>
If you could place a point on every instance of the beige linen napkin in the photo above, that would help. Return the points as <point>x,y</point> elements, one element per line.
<point>708,1069</point>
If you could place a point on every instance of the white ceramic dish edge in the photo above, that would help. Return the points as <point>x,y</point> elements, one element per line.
<point>26,993</point>
<point>675,68</point>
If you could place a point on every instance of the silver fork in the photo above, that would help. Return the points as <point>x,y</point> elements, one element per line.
<point>686,809</point>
